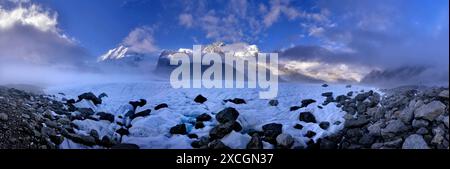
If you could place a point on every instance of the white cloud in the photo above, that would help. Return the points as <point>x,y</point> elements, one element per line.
<point>186,20</point>
<point>33,16</point>
<point>141,40</point>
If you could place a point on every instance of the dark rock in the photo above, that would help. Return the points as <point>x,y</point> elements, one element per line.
<point>192,136</point>
<point>204,117</point>
<point>310,134</point>
<point>236,101</point>
<point>90,96</point>
<point>420,123</point>
<point>359,122</point>
<point>221,130</point>
<point>298,126</point>
<point>122,131</point>
<point>200,99</point>
<point>350,94</point>
<point>294,108</point>
<point>106,116</point>
<point>125,146</point>
<point>271,131</point>
<point>102,95</point>
<point>430,111</point>
<point>178,129</point>
<point>140,103</point>
<point>325,85</point>
<point>255,142</point>
<point>327,94</point>
<point>273,102</point>
<point>236,127</point>
<point>82,139</point>
<point>217,145</point>
<point>199,124</point>
<point>307,102</point>
<point>160,106</point>
<point>307,117</point>
<point>106,142</point>
<point>324,125</point>
<point>226,115</point>
<point>366,140</point>
<point>86,111</point>
<point>141,114</point>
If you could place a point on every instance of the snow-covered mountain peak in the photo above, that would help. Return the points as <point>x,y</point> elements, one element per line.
<point>114,54</point>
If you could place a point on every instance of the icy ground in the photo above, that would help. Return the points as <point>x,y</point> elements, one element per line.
<point>153,131</point>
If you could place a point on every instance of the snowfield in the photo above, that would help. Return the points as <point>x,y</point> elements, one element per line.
<point>152,132</point>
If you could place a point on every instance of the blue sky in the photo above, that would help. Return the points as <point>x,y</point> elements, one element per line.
<point>340,26</point>
<point>102,24</point>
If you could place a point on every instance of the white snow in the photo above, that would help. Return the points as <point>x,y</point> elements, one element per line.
<point>153,131</point>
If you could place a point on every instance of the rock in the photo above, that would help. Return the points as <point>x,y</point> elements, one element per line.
<point>361,97</point>
<point>438,136</point>
<point>122,131</point>
<point>141,114</point>
<point>307,117</point>
<point>178,129</point>
<point>406,115</point>
<point>63,121</point>
<point>140,103</point>
<point>325,85</point>
<point>106,142</point>
<point>354,123</point>
<point>125,146</point>
<point>199,125</point>
<point>102,95</point>
<point>375,129</point>
<point>57,139</point>
<point>271,131</point>
<point>204,117</point>
<point>298,126</point>
<point>273,102</point>
<point>415,141</point>
<point>3,117</point>
<point>255,142</point>
<point>366,139</point>
<point>420,123</point>
<point>227,114</point>
<point>326,144</point>
<point>445,121</point>
<point>192,136</point>
<point>221,130</point>
<point>429,111</point>
<point>394,143</point>
<point>307,102</point>
<point>444,94</point>
<point>82,139</point>
<point>348,86</point>
<point>327,94</point>
<point>393,127</point>
<point>350,94</point>
<point>236,127</point>
<point>236,101</point>
<point>217,145</point>
<point>324,125</point>
<point>106,116</point>
<point>422,131</point>
<point>50,123</point>
<point>361,107</point>
<point>294,108</point>
<point>94,134</point>
<point>310,134</point>
<point>160,106</point>
<point>85,111</point>
<point>200,99</point>
<point>285,140</point>
<point>90,96</point>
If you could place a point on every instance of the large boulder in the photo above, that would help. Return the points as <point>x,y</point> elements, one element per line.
<point>393,128</point>
<point>221,130</point>
<point>90,96</point>
<point>357,122</point>
<point>226,115</point>
<point>430,111</point>
<point>255,142</point>
<point>204,117</point>
<point>178,129</point>
<point>415,141</point>
<point>236,101</point>
<point>285,140</point>
<point>307,102</point>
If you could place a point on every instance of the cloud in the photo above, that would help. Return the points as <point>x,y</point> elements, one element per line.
<point>140,40</point>
<point>186,20</point>
<point>29,34</point>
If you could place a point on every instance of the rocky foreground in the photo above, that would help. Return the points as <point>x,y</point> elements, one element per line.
<point>407,117</point>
